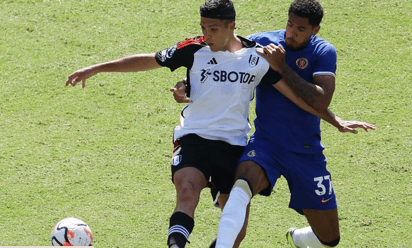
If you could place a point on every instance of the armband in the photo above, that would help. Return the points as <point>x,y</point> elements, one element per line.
<point>273,77</point>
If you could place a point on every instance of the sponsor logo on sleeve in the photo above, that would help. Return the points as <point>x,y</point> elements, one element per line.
<point>168,53</point>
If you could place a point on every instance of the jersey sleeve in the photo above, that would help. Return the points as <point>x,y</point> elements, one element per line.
<point>253,37</point>
<point>181,54</point>
<point>266,38</point>
<point>325,63</point>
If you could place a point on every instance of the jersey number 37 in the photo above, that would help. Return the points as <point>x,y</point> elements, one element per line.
<point>321,185</point>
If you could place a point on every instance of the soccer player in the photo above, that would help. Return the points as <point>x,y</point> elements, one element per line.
<point>287,139</point>
<point>223,70</point>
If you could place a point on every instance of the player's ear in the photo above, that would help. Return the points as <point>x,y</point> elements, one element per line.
<point>316,30</point>
<point>232,25</point>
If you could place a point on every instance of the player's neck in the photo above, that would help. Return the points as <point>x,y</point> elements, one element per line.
<point>235,44</point>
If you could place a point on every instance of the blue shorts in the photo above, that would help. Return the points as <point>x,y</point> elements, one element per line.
<point>309,181</point>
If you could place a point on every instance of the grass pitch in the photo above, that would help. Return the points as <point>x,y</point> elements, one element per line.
<point>102,153</point>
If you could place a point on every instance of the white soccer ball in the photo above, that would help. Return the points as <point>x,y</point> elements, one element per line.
<point>71,232</point>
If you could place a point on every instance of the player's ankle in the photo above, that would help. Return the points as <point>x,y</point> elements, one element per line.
<point>181,225</point>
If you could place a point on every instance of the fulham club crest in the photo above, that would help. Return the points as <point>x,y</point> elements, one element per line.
<point>177,158</point>
<point>253,60</point>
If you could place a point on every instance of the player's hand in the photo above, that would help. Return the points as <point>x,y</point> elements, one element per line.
<point>349,126</point>
<point>179,92</point>
<point>275,55</point>
<point>81,75</point>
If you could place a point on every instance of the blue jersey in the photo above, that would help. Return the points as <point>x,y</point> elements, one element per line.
<point>285,123</point>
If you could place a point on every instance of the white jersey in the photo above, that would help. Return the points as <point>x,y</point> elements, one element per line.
<point>221,86</point>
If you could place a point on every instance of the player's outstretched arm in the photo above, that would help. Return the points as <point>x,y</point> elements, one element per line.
<point>138,62</point>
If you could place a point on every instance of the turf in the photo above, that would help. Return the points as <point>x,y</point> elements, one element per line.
<point>102,153</point>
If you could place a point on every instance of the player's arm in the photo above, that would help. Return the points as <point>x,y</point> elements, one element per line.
<point>275,55</point>
<point>327,115</point>
<point>134,63</point>
<point>318,95</point>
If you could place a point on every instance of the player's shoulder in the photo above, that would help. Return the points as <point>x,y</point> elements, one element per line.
<point>198,41</point>
<point>265,38</point>
<point>246,42</point>
<point>183,52</point>
<point>268,34</point>
<point>322,45</point>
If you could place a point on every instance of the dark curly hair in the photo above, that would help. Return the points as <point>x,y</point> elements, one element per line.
<point>310,9</point>
<point>218,9</point>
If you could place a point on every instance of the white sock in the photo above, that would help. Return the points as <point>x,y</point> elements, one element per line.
<point>233,218</point>
<point>305,237</point>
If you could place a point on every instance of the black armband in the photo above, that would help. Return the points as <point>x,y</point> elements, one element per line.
<point>272,77</point>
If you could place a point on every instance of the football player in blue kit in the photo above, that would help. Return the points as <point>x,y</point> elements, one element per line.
<point>287,140</point>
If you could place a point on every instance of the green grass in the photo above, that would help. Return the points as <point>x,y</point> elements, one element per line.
<point>102,153</point>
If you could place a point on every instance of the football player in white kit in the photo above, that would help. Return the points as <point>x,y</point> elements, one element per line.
<point>223,70</point>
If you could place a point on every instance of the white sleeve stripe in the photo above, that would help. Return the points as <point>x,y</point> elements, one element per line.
<point>324,73</point>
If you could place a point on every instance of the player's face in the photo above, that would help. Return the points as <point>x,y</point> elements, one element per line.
<point>299,31</point>
<point>217,33</point>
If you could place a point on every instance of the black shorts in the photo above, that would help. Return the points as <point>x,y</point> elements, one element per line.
<point>216,159</point>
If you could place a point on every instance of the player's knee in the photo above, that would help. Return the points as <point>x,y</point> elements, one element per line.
<point>244,183</point>
<point>245,168</point>
<point>187,194</point>
<point>332,243</point>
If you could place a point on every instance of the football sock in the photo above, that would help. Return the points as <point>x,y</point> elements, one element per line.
<point>305,237</point>
<point>234,214</point>
<point>181,225</point>
<point>213,244</point>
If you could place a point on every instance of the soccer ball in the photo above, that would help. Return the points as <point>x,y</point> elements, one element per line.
<point>71,232</point>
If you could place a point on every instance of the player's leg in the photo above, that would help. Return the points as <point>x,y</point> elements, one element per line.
<point>250,178</point>
<point>189,173</point>
<point>322,232</point>
<point>188,182</point>
<point>312,194</point>
<point>242,234</point>
<point>325,224</point>
<point>257,173</point>
<point>223,176</point>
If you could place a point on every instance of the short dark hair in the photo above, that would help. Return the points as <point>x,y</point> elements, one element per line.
<point>310,9</point>
<point>218,9</point>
